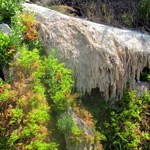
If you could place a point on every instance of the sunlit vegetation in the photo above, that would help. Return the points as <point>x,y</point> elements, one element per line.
<point>39,91</point>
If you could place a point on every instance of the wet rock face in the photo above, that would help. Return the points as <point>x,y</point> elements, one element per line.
<point>100,56</point>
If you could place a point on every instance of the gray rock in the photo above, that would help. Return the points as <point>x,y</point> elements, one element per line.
<point>84,144</point>
<point>100,56</point>
<point>141,87</point>
<point>5,28</point>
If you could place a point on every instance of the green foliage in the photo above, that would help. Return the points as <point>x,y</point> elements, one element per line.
<point>99,136</point>
<point>144,10</point>
<point>17,31</point>
<point>127,19</point>
<point>28,58</point>
<point>1,82</point>
<point>58,81</point>
<point>24,112</point>
<point>5,54</point>
<point>23,31</point>
<point>13,138</point>
<point>27,106</point>
<point>145,75</point>
<point>10,45</point>
<point>125,126</point>
<point>17,115</point>
<point>123,129</point>
<point>25,99</point>
<point>31,113</point>
<point>65,124</point>
<point>9,8</point>
<point>41,146</point>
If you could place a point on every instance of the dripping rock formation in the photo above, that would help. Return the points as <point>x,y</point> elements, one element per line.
<point>100,56</point>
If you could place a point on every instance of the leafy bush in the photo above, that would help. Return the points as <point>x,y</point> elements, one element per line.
<point>22,30</point>
<point>28,21</point>
<point>9,8</point>
<point>29,109</point>
<point>144,10</point>
<point>25,111</point>
<point>65,124</point>
<point>124,129</point>
<point>83,113</point>
<point>58,81</point>
<point>5,54</point>
<point>18,30</point>
<point>10,45</point>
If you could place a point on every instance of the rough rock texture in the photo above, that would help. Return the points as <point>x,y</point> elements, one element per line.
<point>100,56</point>
<point>5,28</point>
<point>141,87</point>
<point>85,144</point>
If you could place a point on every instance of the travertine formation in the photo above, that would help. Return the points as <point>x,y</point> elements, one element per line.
<point>100,56</point>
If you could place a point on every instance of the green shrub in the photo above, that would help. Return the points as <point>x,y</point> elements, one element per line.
<point>10,45</point>
<point>144,10</point>
<point>9,8</point>
<point>124,129</point>
<point>29,111</point>
<point>17,31</point>
<point>65,124</point>
<point>58,81</point>
<point>1,82</point>
<point>5,54</point>
<point>24,112</point>
<point>25,107</point>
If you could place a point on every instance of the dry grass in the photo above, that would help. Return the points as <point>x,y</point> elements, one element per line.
<point>64,9</point>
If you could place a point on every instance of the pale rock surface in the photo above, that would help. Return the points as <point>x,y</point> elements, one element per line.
<point>5,28</point>
<point>100,56</point>
<point>85,144</point>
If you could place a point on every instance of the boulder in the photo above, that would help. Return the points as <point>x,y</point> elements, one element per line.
<point>100,56</point>
<point>5,28</point>
<point>87,142</point>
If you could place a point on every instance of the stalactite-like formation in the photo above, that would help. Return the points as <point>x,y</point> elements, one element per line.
<point>100,56</point>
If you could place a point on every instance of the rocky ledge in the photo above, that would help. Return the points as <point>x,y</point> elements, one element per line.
<point>100,56</point>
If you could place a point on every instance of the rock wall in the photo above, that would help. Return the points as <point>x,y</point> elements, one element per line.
<point>100,56</point>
